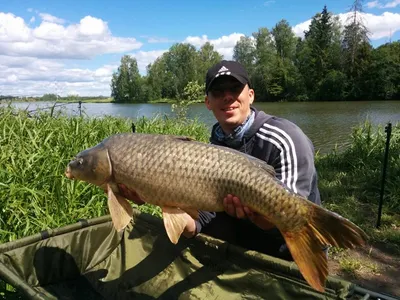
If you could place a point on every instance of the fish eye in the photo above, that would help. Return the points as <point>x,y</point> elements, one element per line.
<point>80,160</point>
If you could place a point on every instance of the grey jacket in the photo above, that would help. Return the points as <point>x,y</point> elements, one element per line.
<point>281,144</point>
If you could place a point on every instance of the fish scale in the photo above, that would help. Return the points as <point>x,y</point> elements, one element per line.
<point>212,173</point>
<point>183,176</point>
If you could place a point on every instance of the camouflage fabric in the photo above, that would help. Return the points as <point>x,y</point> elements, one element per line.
<point>90,260</point>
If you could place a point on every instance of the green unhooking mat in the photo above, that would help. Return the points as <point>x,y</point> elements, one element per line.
<point>90,260</point>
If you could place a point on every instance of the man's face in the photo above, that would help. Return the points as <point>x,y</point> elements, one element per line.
<point>230,101</point>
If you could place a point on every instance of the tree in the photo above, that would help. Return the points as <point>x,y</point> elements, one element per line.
<point>126,84</point>
<point>180,63</point>
<point>383,80</point>
<point>206,58</point>
<point>244,52</point>
<point>265,78</point>
<point>285,40</point>
<point>285,69</point>
<point>319,52</point>
<point>356,52</point>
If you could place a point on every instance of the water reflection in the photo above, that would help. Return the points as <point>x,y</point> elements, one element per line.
<point>326,123</point>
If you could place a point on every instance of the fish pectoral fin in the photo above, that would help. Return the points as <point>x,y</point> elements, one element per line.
<point>120,210</point>
<point>175,221</point>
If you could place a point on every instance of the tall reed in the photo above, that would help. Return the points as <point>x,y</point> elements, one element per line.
<point>34,192</point>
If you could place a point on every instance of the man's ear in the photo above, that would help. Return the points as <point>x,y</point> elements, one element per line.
<point>207,102</point>
<point>251,96</point>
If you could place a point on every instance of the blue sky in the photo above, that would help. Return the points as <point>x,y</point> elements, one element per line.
<point>74,46</point>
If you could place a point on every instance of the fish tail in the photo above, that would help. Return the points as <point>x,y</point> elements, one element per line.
<point>322,229</point>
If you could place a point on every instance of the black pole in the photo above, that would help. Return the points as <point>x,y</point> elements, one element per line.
<point>388,130</point>
<point>80,108</point>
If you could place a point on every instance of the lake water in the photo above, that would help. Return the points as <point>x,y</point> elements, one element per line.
<point>326,123</point>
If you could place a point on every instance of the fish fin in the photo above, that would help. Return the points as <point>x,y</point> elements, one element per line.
<point>184,138</point>
<point>174,222</point>
<point>309,257</point>
<point>263,165</point>
<point>323,228</point>
<point>120,210</point>
<point>194,213</point>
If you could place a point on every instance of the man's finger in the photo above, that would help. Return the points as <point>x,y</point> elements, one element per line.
<point>238,207</point>
<point>229,208</point>
<point>240,213</point>
<point>249,213</point>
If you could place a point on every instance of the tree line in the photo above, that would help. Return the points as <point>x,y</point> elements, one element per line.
<point>333,62</point>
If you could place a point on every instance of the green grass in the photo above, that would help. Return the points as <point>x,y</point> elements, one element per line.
<point>34,193</point>
<point>350,182</point>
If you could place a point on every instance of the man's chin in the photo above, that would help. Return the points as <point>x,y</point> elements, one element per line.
<point>229,122</point>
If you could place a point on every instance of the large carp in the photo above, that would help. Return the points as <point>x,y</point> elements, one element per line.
<point>183,176</point>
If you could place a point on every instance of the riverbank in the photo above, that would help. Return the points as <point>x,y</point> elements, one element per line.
<point>35,195</point>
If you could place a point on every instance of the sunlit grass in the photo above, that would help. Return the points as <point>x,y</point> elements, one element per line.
<point>350,182</point>
<point>34,193</point>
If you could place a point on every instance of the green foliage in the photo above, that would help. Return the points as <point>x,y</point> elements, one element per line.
<point>334,61</point>
<point>126,83</point>
<point>170,73</point>
<point>192,93</point>
<point>350,181</point>
<point>34,193</point>
<point>49,97</point>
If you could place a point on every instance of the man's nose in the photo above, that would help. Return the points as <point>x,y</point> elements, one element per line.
<point>228,96</point>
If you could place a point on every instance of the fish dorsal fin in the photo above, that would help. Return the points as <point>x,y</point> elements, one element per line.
<point>184,138</point>
<point>261,164</point>
<point>255,161</point>
<point>252,159</point>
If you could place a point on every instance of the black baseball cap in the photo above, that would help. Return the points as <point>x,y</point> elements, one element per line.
<point>227,68</point>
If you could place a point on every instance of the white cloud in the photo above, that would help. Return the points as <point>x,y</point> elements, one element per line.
<point>377,4</point>
<point>144,58</point>
<point>155,39</point>
<point>31,56</point>
<point>87,39</point>
<point>379,26</point>
<point>373,4</point>
<point>51,19</point>
<point>224,45</point>
<point>266,3</point>
<point>300,28</point>
<point>26,76</point>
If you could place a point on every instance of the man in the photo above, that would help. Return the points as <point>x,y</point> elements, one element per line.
<point>277,141</point>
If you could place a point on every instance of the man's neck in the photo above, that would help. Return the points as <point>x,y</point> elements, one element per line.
<point>231,129</point>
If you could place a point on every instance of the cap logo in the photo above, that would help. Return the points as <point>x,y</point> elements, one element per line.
<point>223,69</point>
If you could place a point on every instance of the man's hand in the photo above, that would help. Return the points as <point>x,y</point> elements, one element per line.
<point>190,228</point>
<point>234,208</point>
